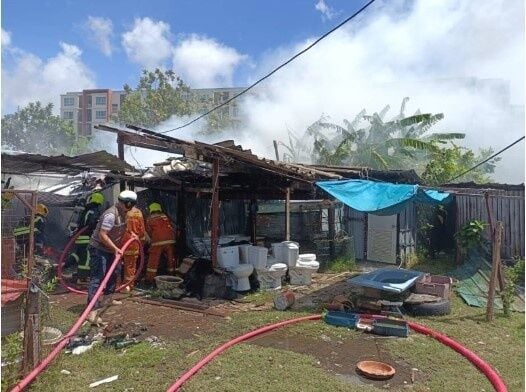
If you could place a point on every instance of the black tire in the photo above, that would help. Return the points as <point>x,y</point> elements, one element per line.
<point>440,308</point>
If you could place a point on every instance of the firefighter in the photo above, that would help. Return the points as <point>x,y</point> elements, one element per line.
<point>103,248</point>
<point>88,218</point>
<point>162,241</point>
<point>21,233</point>
<point>134,227</point>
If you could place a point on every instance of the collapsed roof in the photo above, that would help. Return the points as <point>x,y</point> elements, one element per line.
<point>100,161</point>
<point>242,175</point>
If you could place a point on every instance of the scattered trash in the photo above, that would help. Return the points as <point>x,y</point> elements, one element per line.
<point>82,349</point>
<point>325,338</point>
<point>155,341</point>
<point>284,300</point>
<point>104,381</point>
<point>64,371</point>
<point>413,374</point>
<point>376,370</point>
<point>192,353</point>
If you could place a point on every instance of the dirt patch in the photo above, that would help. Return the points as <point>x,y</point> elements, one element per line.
<point>340,357</point>
<point>144,320</point>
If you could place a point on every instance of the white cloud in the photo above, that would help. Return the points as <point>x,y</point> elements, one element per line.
<point>148,44</point>
<point>326,11</point>
<point>30,78</point>
<point>204,62</point>
<point>439,53</point>
<point>101,32</point>
<point>6,39</point>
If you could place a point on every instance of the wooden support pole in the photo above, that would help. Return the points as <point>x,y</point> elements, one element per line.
<point>496,244</point>
<point>253,220</point>
<point>500,273</point>
<point>181,227</point>
<point>215,211</point>
<point>287,214</point>
<point>32,347</point>
<point>120,152</point>
<point>331,215</point>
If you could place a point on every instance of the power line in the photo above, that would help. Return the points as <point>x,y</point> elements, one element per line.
<point>273,71</point>
<point>486,160</point>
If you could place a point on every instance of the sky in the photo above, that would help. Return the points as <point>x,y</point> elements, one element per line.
<point>458,57</point>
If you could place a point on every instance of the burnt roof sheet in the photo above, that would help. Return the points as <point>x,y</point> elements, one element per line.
<point>62,164</point>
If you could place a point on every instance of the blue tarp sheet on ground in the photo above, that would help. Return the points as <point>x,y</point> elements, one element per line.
<point>381,198</point>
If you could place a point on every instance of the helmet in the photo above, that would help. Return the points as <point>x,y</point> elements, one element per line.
<point>155,207</point>
<point>128,197</point>
<point>96,198</point>
<point>42,209</point>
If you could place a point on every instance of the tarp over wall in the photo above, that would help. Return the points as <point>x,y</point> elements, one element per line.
<point>381,198</point>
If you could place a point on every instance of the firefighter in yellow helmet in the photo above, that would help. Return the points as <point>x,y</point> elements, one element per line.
<point>162,237</point>
<point>21,233</point>
<point>88,218</point>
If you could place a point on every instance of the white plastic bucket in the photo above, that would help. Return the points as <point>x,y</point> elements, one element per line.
<point>257,256</point>
<point>228,256</point>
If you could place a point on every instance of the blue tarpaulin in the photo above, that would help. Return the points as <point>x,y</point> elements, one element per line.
<point>381,198</point>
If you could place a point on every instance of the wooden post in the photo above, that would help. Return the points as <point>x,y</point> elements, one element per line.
<point>215,211</point>
<point>120,152</point>
<point>287,214</point>
<point>500,273</point>
<point>276,149</point>
<point>496,243</point>
<point>332,230</point>
<point>181,226</point>
<point>253,220</point>
<point>32,348</point>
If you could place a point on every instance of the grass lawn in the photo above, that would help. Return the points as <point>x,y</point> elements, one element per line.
<point>247,366</point>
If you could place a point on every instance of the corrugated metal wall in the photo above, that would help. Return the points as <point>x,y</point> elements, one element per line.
<point>355,226</point>
<point>471,205</point>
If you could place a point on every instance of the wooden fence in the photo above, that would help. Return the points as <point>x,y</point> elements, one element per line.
<point>506,205</point>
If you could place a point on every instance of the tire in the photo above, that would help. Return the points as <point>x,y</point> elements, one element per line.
<point>440,308</point>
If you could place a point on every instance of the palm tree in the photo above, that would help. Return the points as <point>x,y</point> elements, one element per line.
<point>394,144</point>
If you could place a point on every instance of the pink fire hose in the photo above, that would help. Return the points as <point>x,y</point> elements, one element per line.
<point>65,252</point>
<point>65,340</point>
<point>480,364</point>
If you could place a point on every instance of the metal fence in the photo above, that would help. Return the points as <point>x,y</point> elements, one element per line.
<point>506,205</point>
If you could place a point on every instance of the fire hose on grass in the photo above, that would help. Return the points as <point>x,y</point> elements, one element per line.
<point>479,363</point>
<point>65,340</point>
<point>62,259</point>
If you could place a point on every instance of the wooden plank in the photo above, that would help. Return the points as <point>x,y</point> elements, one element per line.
<point>180,305</point>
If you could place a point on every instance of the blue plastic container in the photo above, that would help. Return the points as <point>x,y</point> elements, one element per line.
<point>341,319</point>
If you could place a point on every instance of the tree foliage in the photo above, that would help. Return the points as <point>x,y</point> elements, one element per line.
<point>158,95</point>
<point>36,129</point>
<point>448,162</point>
<point>373,141</point>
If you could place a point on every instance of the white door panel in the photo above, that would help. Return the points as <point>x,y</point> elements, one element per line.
<point>381,238</point>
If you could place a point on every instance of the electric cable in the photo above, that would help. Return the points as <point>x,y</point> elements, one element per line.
<point>273,71</point>
<point>485,160</point>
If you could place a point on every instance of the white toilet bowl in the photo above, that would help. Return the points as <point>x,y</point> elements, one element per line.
<point>301,274</point>
<point>270,277</point>
<point>241,272</point>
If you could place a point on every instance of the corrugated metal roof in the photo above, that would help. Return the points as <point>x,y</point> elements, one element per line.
<point>62,164</point>
<point>473,284</point>
<point>227,152</point>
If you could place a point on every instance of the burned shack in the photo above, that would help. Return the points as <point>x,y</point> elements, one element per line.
<point>215,192</point>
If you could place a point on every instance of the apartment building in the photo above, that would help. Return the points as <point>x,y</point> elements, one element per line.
<point>88,108</point>
<point>207,98</point>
